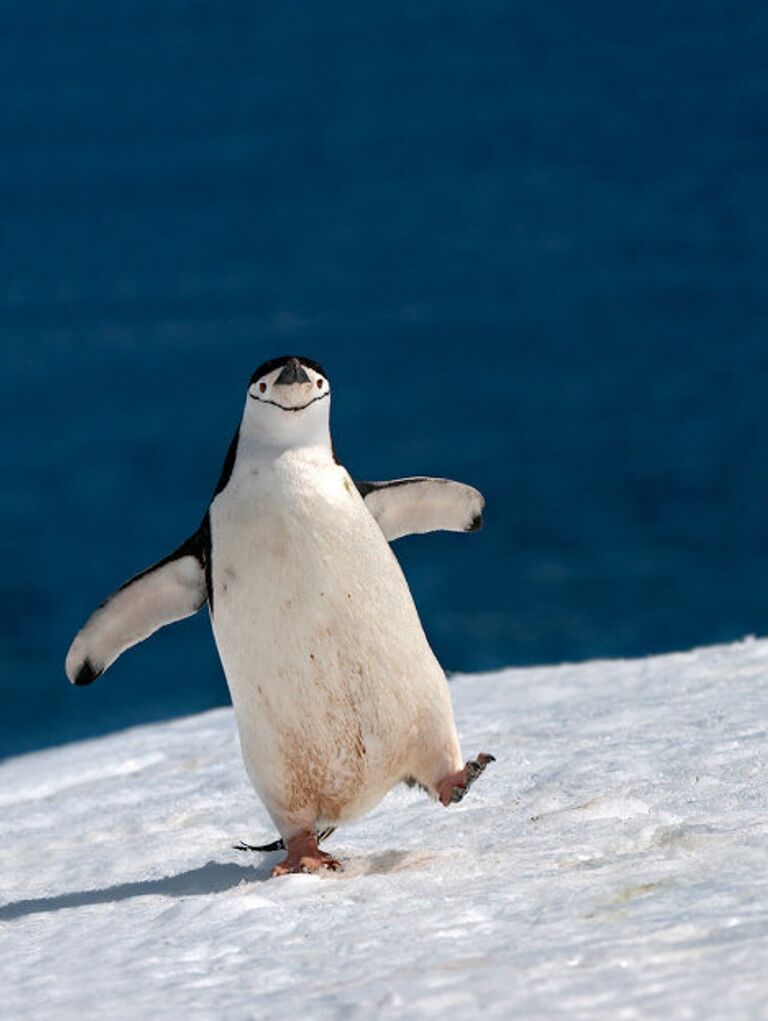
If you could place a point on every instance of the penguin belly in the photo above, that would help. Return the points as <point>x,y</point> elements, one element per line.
<point>336,691</point>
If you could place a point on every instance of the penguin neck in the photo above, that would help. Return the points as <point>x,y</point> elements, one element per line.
<point>259,447</point>
<point>255,452</point>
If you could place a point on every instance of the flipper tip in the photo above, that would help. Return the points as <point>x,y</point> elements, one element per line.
<point>475,524</point>
<point>87,674</point>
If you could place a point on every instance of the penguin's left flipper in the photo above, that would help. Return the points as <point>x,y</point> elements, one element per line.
<point>416,505</point>
<point>172,589</point>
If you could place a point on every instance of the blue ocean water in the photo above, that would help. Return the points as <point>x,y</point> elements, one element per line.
<point>527,240</point>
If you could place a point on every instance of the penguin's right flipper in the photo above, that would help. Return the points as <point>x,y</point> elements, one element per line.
<point>170,590</point>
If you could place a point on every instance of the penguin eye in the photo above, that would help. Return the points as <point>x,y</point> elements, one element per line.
<point>262,387</point>
<point>320,383</point>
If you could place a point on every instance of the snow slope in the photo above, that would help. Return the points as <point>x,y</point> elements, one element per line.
<point>611,864</point>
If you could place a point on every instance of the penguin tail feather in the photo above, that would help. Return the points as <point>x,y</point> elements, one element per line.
<point>279,844</point>
<point>276,845</point>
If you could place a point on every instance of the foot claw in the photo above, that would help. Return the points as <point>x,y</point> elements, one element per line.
<point>314,865</point>
<point>476,766</point>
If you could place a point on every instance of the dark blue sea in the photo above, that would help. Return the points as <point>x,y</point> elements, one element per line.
<point>528,241</point>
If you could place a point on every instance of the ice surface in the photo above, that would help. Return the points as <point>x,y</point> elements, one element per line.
<point>611,864</point>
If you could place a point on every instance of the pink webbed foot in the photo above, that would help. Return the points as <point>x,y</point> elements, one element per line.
<point>453,787</point>
<point>305,856</point>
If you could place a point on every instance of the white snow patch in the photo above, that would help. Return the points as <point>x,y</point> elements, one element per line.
<point>611,864</point>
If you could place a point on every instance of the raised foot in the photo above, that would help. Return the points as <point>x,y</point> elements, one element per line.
<point>453,787</point>
<point>305,856</point>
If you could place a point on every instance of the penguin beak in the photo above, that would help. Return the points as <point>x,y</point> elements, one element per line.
<point>293,372</point>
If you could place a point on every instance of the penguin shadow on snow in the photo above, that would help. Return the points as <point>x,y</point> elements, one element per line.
<point>214,877</point>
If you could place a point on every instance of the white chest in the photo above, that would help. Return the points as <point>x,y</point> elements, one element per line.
<point>294,548</point>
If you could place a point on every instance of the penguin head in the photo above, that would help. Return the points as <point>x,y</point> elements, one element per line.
<point>288,402</point>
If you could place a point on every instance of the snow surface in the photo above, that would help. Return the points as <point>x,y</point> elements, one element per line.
<point>611,864</point>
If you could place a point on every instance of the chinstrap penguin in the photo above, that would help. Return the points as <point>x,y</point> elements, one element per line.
<point>337,694</point>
